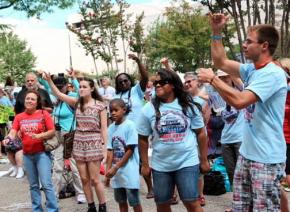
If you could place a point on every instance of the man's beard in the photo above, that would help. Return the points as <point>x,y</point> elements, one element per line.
<point>33,87</point>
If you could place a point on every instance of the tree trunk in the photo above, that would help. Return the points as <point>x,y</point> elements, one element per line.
<point>242,21</point>
<point>266,12</point>
<point>249,13</point>
<point>272,12</point>
<point>287,40</point>
<point>233,4</point>
<point>282,38</point>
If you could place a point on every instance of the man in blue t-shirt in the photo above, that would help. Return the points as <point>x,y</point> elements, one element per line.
<point>263,151</point>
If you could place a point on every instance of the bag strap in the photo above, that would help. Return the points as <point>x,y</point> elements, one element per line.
<point>74,117</point>
<point>43,121</point>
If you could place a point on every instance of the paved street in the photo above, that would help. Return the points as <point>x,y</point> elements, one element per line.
<point>15,197</point>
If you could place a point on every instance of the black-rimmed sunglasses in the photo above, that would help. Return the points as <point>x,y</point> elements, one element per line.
<point>123,81</point>
<point>160,82</point>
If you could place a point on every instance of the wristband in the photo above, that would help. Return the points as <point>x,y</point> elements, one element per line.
<point>211,80</point>
<point>216,37</point>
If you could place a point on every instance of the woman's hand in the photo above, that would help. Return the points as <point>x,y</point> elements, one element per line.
<point>5,141</point>
<point>112,171</point>
<point>133,57</point>
<point>204,166</point>
<point>36,136</point>
<point>46,76</point>
<point>104,157</point>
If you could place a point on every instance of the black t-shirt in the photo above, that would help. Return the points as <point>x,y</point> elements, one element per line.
<point>19,105</point>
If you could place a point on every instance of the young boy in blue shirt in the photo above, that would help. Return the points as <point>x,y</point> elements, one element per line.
<point>123,158</point>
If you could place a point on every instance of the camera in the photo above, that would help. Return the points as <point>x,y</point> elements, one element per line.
<point>57,127</point>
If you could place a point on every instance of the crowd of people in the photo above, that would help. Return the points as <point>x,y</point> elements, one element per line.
<point>240,111</point>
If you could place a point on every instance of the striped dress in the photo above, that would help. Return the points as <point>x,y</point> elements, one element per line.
<point>87,144</point>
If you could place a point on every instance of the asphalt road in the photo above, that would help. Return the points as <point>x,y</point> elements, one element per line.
<point>14,196</point>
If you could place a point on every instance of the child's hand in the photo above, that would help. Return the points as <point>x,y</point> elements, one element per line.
<point>145,170</point>
<point>112,171</point>
<point>107,182</point>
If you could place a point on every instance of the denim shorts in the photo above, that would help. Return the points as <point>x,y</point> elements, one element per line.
<point>123,194</point>
<point>185,179</point>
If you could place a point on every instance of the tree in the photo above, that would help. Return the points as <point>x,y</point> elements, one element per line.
<point>15,58</point>
<point>250,12</point>
<point>183,37</point>
<point>103,24</point>
<point>35,7</point>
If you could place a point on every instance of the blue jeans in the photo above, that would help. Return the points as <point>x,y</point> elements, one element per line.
<point>185,179</point>
<point>123,194</point>
<point>38,168</point>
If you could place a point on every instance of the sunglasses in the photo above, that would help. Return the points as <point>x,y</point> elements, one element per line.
<point>188,81</point>
<point>160,82</point>
<point>123,81</point>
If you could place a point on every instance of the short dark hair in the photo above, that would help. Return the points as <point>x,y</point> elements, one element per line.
<point>117,85</point>
<point>60,81</point>
<point>39,102</point>
<point>266,33</point>
<point>119,102</point>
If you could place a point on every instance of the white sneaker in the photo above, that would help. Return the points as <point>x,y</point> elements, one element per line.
<point>20,173</point>
<point>14,171</point>
<point>81,199</point>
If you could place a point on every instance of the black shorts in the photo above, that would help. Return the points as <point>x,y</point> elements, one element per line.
<point>288,160</point>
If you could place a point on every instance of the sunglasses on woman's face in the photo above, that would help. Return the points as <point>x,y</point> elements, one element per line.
<point>160,82</point>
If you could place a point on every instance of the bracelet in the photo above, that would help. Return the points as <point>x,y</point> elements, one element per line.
<point>216,37</point>
<point>211,80</point>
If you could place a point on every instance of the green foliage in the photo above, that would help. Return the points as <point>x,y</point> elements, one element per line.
<point>183,37</point>
<point>15,59</point>
<point>36,7</point>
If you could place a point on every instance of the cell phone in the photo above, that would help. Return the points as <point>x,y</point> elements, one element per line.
<point>61,74</point>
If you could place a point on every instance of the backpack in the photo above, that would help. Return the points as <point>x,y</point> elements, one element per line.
<point>214,183</point>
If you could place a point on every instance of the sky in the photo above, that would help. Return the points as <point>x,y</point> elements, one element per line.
<point>48,37</point>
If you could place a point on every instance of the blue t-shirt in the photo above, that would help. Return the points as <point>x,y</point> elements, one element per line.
<point>64,114</point>
<point>135,102</point>
<point>119,137</point>
<point>174,143</point>
<point>263,140</point>
<point>5,101</point>
<point>234,126</point>
<point>199,100</point>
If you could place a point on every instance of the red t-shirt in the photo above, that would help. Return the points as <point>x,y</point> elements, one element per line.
<point>29,124</point>
<point>286,126</point>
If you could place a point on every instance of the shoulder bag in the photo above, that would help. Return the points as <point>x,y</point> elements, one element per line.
<point>68,138</point>
<point>51,143</point>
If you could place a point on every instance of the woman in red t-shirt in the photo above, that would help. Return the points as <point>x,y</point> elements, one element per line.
<point>30,125</point>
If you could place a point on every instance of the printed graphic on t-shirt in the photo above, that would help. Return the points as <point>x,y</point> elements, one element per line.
<point>30,127</point>
<point>172,127</point>
<point>249,112</point>
<point>119,146</point>
<point>231,116</point>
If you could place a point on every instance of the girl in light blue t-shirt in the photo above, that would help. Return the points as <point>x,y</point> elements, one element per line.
<point>177,130</point>
<point>123,158</point>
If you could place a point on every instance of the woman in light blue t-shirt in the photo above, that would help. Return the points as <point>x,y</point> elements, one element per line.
<point>177,129</point>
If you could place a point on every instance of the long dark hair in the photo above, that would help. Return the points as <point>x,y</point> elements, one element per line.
<point>117,85</point>
<point>95,94</point>
<point>184,98</point>
<point>39,100</point>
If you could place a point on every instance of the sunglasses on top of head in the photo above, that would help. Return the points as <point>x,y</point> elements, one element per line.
<point>160,82</point>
